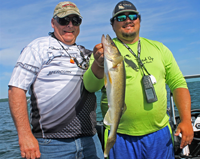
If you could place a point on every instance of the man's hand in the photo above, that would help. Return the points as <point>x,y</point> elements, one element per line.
<point>29,147</point>
<point>187,133</point>
<point>98,55</point>
<point>98,64</point>
<point>183,103</point>
<point>18,108</point>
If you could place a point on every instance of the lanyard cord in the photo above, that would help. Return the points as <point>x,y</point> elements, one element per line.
<point>64,49</point>
<point>137,57</point>
<point>80,65</point>
<point>74,58</point>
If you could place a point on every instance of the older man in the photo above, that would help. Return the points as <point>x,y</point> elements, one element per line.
<point>63,116</point>
<point>144,130</point>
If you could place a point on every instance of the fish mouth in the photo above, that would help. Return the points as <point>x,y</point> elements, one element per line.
<point>108,38</point>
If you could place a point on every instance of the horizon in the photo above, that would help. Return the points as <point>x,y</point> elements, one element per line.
<point>187,80</point>
<point>173,23</point>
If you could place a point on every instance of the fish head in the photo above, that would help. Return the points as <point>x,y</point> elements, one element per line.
<point>110,49</point>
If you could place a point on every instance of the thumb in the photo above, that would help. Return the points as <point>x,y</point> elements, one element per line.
<point>178,131</point>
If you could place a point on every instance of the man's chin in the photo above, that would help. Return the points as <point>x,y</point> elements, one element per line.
<point>129,35</point>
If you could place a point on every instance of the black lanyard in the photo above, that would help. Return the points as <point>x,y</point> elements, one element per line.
<point>137,57</point>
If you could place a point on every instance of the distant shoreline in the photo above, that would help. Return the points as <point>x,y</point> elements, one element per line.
<point>6,99</point>
<point>187,80</point>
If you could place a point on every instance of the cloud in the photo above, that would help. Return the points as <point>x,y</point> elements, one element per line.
<point>25,25</point>
<point>195,43</point>
<point>163,23</point>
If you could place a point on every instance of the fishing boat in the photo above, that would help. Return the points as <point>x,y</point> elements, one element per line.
<point>190,151</point>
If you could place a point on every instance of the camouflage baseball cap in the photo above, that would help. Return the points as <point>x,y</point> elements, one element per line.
<point>66,8</point>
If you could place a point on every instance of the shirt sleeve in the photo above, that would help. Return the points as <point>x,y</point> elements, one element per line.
<point>91,82</point>
<point>174,76</point>
<point>28,65</point>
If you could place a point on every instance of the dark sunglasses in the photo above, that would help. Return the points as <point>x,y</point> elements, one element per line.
<point>76,20</point>
<point>123,17</point>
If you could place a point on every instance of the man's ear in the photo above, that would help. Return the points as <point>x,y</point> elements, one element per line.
<point>139,16</point>
<point>52,22</point>
<point>111,21</point>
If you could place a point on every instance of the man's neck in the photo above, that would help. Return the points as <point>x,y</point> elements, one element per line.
<point>127,41</point>
<point>54,36</point>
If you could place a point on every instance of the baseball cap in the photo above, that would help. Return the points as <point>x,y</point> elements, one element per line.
<point>124,6</point>
<point>66,8</point>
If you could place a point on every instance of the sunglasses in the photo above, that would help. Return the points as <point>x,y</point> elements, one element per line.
<point>123,17</point>
<point>76,20</point>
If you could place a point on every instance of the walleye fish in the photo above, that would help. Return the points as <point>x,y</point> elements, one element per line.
<point>115,82</point>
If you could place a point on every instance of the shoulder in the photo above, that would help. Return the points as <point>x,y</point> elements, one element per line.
<point>115,40</point>
<point>84,50</point>
<point>38,48</point>
<point>153,43</point>
<point>40,42</point>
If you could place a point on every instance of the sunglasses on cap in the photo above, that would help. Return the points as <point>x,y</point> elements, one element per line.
<point>123,17</point>
<point>76,20</point>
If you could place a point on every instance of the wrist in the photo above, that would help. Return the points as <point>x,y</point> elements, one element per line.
<point>99,65</point>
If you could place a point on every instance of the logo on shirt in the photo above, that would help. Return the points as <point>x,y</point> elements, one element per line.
<point>28,67</point>
<point>134,65</point>
<point>61,72</point>
<point>130,63</point>
<point>148,59</point>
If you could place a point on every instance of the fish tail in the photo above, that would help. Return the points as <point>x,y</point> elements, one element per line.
<point>109,145</point>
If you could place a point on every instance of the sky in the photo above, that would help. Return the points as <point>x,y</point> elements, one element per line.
<point>175,23</point>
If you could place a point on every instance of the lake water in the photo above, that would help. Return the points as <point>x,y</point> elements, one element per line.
<point>9,148</point>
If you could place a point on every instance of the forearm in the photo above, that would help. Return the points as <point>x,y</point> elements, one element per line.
<point>97,70</point>
<point>91,82</point>
<point>93,78</point>
<point>183,103</point>
<point>19,111</point>
<point>29,146</point>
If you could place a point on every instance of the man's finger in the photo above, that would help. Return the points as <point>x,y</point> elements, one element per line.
<point>28,155</point>
<point>97,47</point>
<point>23,154</point>
<point>32,154</point>
<point>177,132</point>
<point>37,154</point>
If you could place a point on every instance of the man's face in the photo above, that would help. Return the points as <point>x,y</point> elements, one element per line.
<point>65,33</point>
<point>128,30</point>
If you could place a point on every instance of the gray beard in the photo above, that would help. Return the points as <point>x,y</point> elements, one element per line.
<point>125,35</point>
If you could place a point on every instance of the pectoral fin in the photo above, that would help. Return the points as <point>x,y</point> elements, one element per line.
<point>105,80</point>
<point>109,77</point>
<point>117,61</point>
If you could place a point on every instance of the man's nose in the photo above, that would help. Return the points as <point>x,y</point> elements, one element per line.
<point>70,24</point>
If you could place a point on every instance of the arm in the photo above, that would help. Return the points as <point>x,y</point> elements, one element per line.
<point>178,86</point>
<point>183,103</point>
<point>18,107</point>
<point>98,64</point>
<point>93,77</point>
